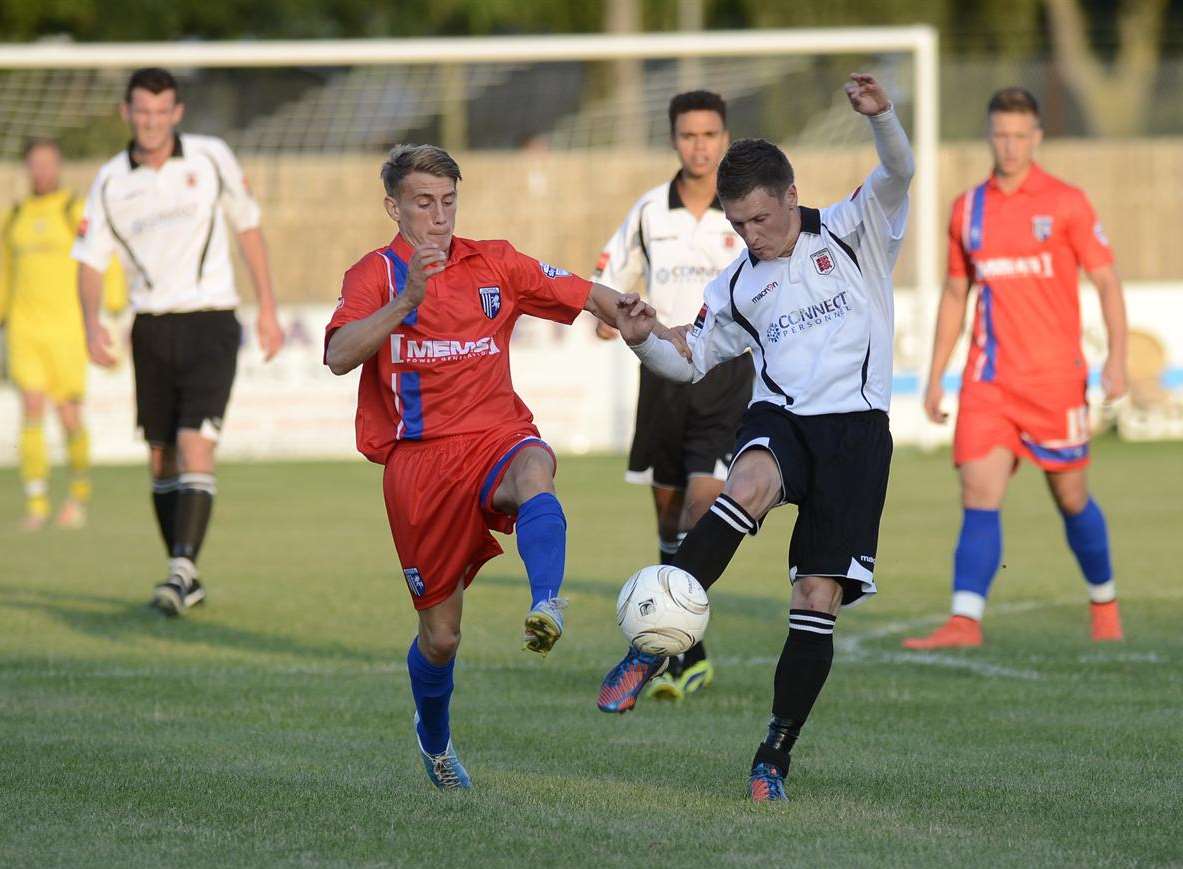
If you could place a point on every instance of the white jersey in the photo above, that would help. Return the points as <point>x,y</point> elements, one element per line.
<point>168,225</point>
<point>820,321</point>
<point>676,253</point>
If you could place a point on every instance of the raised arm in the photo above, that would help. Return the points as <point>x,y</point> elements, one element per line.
<point>355,342</point>
<point>891,178</point>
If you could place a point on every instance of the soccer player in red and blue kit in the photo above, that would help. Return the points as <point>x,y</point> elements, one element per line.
<point>1021,237</point>
<point>429,318</point>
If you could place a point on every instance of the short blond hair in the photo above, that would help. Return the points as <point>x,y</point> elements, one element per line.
<point>405,159</point>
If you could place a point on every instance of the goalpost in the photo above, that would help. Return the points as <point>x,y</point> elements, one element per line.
<point>576,121</point>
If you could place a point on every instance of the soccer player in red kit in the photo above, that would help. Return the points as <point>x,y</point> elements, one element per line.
<point>429,318</point>
<point>1021,237</point>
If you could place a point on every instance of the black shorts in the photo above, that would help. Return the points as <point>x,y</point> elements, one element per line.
<point>688,429</point>
<point>184,366</point>
<point>834,467</point>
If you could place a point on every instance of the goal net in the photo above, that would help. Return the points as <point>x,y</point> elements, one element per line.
<point>556,137</point>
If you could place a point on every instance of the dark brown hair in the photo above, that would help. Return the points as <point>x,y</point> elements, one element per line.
<point>752,163</point>
<point>154,80</point>
<point>697,101</point>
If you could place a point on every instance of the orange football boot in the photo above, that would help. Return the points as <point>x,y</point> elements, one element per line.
<point>1106,622</point>
<point>959,632</point>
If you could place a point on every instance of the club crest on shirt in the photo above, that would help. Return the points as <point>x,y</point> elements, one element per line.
<point>552,271</point>
<point>414,581</point>
<point>699,321</point>
<point>729,241</point>
<point>84,224</point>
<point>490,301</point>
<point>823,261</point>
<point>1041,226</point>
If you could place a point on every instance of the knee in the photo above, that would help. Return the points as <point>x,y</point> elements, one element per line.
<point>440,643</point>
<point>754,492</point>
<point>817,593</point>
<point>1072,503</point>
<point>981,495</point>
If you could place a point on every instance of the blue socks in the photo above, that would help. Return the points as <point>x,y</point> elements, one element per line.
<point>431,686</point>
<point>979,552</point>
<point>1088,538</point>
<point>542,543</point>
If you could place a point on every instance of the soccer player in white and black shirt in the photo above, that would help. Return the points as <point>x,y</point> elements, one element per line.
<point>677,240</point>
<point>162,205</point>
<point>812,301</point>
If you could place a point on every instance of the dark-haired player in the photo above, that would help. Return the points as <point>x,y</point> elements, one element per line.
<point>811,299</point>
<point>1021,237</point>
<point>676,238</point>
<point>162,205</point>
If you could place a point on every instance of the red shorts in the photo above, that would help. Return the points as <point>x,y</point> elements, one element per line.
<point>1048,425</point>
<point>439,496</point>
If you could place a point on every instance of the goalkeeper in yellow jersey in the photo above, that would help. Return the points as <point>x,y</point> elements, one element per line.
<point>40,312</point>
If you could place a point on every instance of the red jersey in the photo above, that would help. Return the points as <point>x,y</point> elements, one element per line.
<point>1024,251</point>
<point>445,369</point>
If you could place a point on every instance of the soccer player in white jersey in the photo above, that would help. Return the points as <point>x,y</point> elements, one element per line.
<point>811,299</point>
<point>676,238</point>
<point>162,205</point>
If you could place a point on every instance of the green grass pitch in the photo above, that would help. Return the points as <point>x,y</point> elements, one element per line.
<point>273,725</point>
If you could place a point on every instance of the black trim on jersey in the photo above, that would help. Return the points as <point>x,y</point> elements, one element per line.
<point>811,220</point>
<point>119,238</point>
<point>863,386</point>
<point>178,151</point>
<point>213,217</point>
<point>846,249</point>
<point>675,198</point>
<point>641,233</point>
<point>743,323</point>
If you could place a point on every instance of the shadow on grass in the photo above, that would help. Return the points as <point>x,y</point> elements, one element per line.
<point>121,620</point>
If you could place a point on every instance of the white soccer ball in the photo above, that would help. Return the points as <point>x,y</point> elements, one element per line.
<point>662,610</point>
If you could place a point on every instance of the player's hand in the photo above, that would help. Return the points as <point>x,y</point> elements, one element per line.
<point>427,261</point>
<point>100,347</point>
<point>270,334</point>
<point>867,96</point>
<point>635,318</point>
<point>932,402</point>
<point>1114,378</point>
<point>605,332</point>
<point>676,335</point>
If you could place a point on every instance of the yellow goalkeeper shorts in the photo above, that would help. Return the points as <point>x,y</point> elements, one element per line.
<point>48,363</point>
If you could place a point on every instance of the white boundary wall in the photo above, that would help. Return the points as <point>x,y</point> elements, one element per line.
<point>582,390</point>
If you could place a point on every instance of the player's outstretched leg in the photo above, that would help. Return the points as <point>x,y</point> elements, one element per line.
<point>431,686</point>
<point>1088,538</point>
<point>704,554</point>
<point>542,544</point>
<point>800,674</point>
<point>979,552</point>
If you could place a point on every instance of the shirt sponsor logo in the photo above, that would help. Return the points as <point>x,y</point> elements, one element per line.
<point>439,350</point>
<point>794,322</point>
<point>764,292</point>
<point>180,214</point>
<point>697,274</point>
<point>553,271</point>
<point>414,581</point>
<point>1041,227</point>
<point>1039,266</point>
<point>823,261</point>
<point>490,301</point>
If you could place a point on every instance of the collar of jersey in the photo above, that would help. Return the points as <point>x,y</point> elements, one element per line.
<point>675,200</point>
<point>178,151</point>
<point>462,248</point>
<point>1035,181</point>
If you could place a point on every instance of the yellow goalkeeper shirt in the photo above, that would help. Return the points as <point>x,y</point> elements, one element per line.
<point>38,278</point>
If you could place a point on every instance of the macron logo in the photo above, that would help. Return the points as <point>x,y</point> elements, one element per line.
<point>432,350</point>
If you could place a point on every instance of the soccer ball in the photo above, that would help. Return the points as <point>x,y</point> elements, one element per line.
<point>662,610</point>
